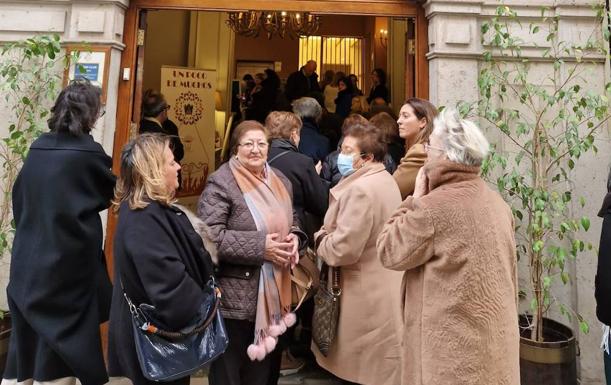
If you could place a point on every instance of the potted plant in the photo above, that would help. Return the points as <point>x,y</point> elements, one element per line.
<point>547,120</point>
<point>31,72</point>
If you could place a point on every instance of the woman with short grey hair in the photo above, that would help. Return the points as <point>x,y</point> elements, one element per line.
<point>312,143</point>
<point>462,141</point>
<point>454,240</point>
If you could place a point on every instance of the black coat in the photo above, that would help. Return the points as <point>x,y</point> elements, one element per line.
<point>602,281</point>
<point>169,128</point>
<point>161,261</point>
<point>310,193</point>
<point>299,85</point>
<point>313,143</point>
<point>59,290</point>
<point>379,91</point>
<point>343,103</point>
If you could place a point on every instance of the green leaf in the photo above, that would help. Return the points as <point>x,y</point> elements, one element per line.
<point>585,223</point>
<point>584,327</point>
<point>565,277</point>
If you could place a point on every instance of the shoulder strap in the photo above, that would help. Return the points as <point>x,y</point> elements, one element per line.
<point>278,156</point>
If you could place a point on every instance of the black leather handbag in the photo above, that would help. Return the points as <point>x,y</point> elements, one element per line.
<point>166,355</point>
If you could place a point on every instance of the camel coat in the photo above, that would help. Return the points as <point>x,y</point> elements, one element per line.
<point>406,172</point>
<point>456,245</point>
<point>367,346</point>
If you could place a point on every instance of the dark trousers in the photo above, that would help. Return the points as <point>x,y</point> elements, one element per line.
<point>234,367</point>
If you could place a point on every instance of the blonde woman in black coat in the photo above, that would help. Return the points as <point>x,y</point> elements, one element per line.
<point>159,257</point>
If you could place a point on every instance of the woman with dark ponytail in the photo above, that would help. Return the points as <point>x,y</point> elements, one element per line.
<point>59,291</point>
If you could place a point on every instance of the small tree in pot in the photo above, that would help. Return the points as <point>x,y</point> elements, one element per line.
<point>549,122</point>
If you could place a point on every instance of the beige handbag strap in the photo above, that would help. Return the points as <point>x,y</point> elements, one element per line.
<point>306,285</point>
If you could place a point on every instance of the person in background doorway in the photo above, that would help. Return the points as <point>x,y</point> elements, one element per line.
<point>327,79</point>
<point>59,291</point>
<point>302,82</point>
<point>378,86</point>
<point>602,282</point>
<point>454,241</point>
<point>312,143</point>
<point>248,208</point>
<point>355,84</point>
<point>415,126</point>
<point>367,348</point>
<point>390,129</point>
<point>248,85</point>
<point>159,258</point>
<point>359,106</point>
<point>155,119</point>
<point>264,101</point>
<point>343,102</point>
<point>331,91</point>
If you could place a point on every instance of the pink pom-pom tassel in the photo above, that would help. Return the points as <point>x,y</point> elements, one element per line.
<point>261,351</point>
<point>282,326</point>
<point>290,319</point>
<point>270,344</point>
<point>252,352</point>
<point>275,330</point>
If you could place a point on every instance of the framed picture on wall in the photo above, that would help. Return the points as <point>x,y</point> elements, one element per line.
<point>92,63</point>
<point>244,67</point>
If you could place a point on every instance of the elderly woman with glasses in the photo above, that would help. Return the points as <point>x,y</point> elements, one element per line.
<point>248,208</point>
<point>454,241</point>
<point>366,349</point>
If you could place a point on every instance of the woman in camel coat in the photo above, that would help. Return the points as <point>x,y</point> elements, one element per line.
<point>415,126</point>
<point>454,238</point>
<point>366,349</point>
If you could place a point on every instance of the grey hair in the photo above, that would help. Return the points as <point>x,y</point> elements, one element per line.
<point>307,107</point>
<point>462,140</point>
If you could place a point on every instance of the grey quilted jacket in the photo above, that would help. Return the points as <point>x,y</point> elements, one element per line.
<point>240,246</point>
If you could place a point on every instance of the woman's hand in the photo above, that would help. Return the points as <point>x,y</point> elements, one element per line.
<point>422,184</point>
<point>294,240</point>
<point>276,252</point>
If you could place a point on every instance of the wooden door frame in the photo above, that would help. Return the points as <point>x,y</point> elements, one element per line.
<point>389,8</point>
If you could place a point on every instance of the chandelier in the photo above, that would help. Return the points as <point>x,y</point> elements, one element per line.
<point>279,23</point>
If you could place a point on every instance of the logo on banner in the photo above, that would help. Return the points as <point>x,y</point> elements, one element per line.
<point>188,108</point>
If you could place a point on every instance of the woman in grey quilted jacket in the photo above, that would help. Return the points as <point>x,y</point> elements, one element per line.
<point>247,206</point>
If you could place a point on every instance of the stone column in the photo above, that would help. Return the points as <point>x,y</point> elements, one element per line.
<point>454,62</point>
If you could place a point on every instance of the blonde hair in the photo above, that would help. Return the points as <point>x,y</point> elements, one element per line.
<point>142,178</point>
<point>463,141</point>
<point>281,124</point>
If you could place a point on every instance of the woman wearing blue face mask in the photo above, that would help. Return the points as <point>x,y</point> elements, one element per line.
<point>366,349</point>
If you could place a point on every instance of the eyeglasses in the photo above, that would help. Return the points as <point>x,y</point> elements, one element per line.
<point>428,147</point>
<point>250,145</point>
<point>102,111</point>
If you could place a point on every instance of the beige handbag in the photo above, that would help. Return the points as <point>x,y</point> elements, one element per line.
<point>326,309</point>
<point>304,279</point>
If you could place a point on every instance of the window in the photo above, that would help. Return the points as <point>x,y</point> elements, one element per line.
<point>343,54</point>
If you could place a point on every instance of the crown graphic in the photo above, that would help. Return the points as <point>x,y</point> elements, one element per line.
<point>188,109</point>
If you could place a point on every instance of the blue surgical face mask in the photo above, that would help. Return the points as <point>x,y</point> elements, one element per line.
<point>344,164</point>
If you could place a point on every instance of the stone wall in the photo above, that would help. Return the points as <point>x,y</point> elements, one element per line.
<point>454,62</point>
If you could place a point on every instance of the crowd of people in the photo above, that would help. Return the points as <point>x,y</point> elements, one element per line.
<point>425,250</point>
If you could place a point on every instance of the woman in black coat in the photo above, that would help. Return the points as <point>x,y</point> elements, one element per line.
<point>343,102</point>
<point>59,290</point>
<point>378,87</point>
<point>264,101</point>
<point>602,282</point>
<point>159,258</point>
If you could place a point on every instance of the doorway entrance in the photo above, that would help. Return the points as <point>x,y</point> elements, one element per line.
<point>403,36</point>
